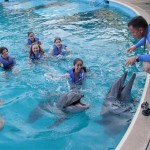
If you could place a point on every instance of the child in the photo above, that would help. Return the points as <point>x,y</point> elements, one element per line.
<point>58,47</point>
<point>75,74</point>
<point>36,52</point>
<point>32,39</point>
<point>6,61</point>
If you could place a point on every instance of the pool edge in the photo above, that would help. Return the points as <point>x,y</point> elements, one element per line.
<point>137,136</point>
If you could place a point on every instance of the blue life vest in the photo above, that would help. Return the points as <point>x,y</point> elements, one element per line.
<point>58,52</point>
<point>35,41</point>
<point>7,63</point>
<point>72,76</point>
<point>33,56</point>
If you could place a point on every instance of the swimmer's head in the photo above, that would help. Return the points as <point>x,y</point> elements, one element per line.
<point>76,60</point>
<point>35,49</point>
<point>78,65</point>
<point>31,36</point>
<point>4,52</point>
<point>57,42</point>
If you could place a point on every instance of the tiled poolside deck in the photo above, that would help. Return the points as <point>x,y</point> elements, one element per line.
<point>138,135</point>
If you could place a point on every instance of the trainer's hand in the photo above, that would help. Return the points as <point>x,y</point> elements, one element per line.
<point>132,48</point>
<point>130,61</point>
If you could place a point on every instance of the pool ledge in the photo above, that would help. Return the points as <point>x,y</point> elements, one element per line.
<point>138,135</point>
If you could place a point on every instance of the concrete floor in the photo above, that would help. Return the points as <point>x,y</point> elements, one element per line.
<point>138,135</point>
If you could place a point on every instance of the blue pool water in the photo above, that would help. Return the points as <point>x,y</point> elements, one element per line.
<point>96,33</point>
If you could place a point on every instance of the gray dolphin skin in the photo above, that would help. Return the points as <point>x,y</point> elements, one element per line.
<point>69,102</point>
<point>1,122</point>
<point>116,109</point>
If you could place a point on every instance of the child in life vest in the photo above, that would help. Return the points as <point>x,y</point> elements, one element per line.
<point>58,48</point>
<point>32,39</point>
<point>36,52</point>
<point>6,60</point>
<point>75,74</point>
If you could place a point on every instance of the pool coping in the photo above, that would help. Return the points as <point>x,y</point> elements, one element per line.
<point>137,136</point>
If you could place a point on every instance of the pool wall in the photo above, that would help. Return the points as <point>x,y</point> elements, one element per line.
<point>137,136</point>
<point>124,8</point>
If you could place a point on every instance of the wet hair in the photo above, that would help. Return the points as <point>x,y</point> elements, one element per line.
<point>76,60</point>
<point>2,49</point>
<point>29,33</point>
<point>57,38</point>
<point>40,49</point>
<point>138,22</point>
<point>79,59</point>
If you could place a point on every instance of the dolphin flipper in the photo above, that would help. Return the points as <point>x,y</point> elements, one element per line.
<point>62,116</point>
<point>35,115</point>
<point>39,111</point>
<point>56,123</point>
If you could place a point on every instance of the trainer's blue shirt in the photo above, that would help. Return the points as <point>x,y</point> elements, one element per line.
<point>143,40</point>
<point>145,58</point>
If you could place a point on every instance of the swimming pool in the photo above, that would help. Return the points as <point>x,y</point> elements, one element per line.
<point>97,34</point>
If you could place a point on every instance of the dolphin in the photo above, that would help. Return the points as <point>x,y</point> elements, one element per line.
<point>116,109</point>
<point>67,103</point>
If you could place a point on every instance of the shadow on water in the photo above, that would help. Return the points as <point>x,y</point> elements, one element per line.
<point>73,124</point>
